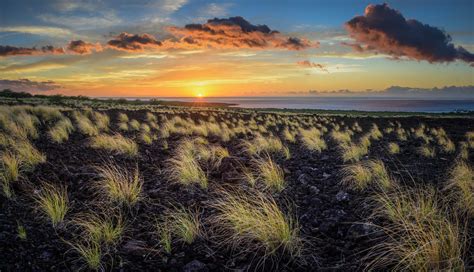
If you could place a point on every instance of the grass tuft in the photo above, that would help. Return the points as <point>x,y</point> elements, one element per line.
<point>53,202</point>
<point>120,185</point>
<point>116,143</point>
<point>254,222</point>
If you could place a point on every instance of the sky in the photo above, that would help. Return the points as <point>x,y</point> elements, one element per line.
<point>234,48</point>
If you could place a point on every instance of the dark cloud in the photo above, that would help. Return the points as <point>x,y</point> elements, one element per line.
<point>7,50</point>
<point>385,30</point>
<point>133,42</point>
<point>82,47</point>
<point>309,64</point>
<point>234,32</point>
<point>26,85</point>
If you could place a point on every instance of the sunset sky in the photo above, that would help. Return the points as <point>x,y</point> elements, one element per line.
<point>235,48</point>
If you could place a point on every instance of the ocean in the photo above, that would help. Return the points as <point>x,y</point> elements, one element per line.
<point>339,103</point>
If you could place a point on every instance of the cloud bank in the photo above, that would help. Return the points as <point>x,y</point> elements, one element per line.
<point>384,30</point>
<point>29,51</point>
<point>26,85</point>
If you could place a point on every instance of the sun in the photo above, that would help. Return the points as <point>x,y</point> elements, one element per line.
<point>200,95</point>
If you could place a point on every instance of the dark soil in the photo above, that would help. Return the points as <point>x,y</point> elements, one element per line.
<point>331,216</point>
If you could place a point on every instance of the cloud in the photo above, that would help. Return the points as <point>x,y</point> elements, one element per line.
<point>133,42</point>
<point>308,64</point>
<point>81,47</point>
<point>215,9</point>
<point>26,85</point>
<point>6,50</point>
<point>385,30</point>
<point>234,32</point>
<point>38,30</point>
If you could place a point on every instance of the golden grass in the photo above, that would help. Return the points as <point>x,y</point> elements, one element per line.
<point>420,236</point>
<point>270,174</point>
<point>393,148</point>
<point>260,144</point>
<point>28,154</point>
<point>116,143</point>
<point>311,139</point>
<point>10,172</point>
<point>53,202</point>
<point>362,175</point>
<point>122,117</point>
<point>255,221</point>
<point>106,228</point>
<point>426,151</point>
<point>59,133</point>
<point>85,125</point>
<point>119,184</point>
<point>180,223</point>
<point>90,252</point>
<point>461,182</point>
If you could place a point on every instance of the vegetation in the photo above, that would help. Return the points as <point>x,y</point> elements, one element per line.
<point>120,185</point>
<point>116,143</point>
<point>53,202</point>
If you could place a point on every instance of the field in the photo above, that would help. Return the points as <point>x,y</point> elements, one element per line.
<point>168,188</point>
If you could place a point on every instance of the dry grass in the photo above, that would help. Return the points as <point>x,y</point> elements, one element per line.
<point>116,143</point>
<point>97,228</point>
<point>119,184</point>
<point>180,223</point>
<point>10,172</point>
<point>362,175</point>
<point>461,183</point>
<point>28,154</point>
<point>420,237</point>
<point>59,133</point>
<point>312,140</point>
<point>270,174</point>
<point>85,125</point>
<point>53,202</point>
<point>427,151</point>
<point>90,252</point>
<point>393,148</point>
<point>255,222</point>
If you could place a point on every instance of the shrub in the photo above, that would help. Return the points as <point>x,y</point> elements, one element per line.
<point>120,185</point>
<point>53,202</point>
<point>116,143</point>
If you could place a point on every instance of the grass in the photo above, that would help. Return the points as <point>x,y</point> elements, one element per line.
<point>184,166</point>
<point>353,152</point>
<point>119,184</point>
<point>164,236</point>
<point>255,222</point>
<point>311,140</point>
<point>420,236</point>
<point>28,154</point>
<point>461,183</point>
<point>10,172</point>
<point>53,202</point>
<point>356,176</point>
<point>134,125</point>
<point>393,148</point>
<point>116,143</point>
<point>59,133</point>
<point>260,144</point>
<point>180,223</point>
<point>362,175</point>
<point>426,151</point>
<point>106,228</point>
<point>102,121</point>
<point>270,174</point>
<point>21,232</point>
<point>122,117</point>
<point>85,125</point>
<point>90,252</point>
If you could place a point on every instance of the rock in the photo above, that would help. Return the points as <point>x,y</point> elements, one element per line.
<point>326,175</point>
<point>342,196</point>
<point>134,247</point>
<point>314,189</point>
<point>303,178</point>
<point>195,266</point>
<point>46,255</point>
<point>359,230</point>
